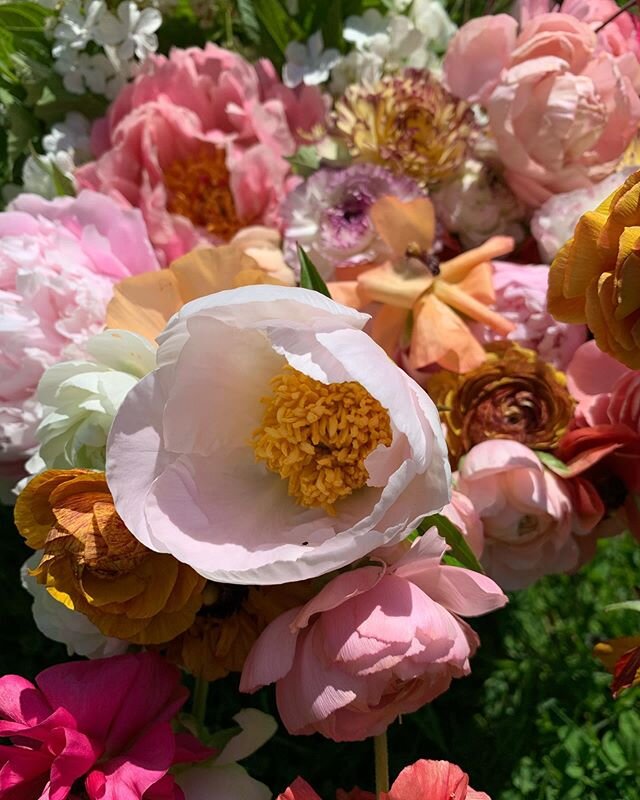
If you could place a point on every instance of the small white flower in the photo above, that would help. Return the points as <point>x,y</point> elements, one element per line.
<point>361,30</point>
<point>77,25</point>
<point>310,64</point>
<point>431,19</point>
<point>80,398</point>
<point>130,31</point>
<point>356,67</point>
<point>72,135</point>
<point>37,172</point>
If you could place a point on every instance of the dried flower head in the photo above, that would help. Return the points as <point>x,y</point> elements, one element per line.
<point>409,123</point>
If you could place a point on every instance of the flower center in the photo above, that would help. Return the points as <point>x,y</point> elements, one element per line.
<point>317,436</point>
<point>198,188</point>
<point>528,524</point>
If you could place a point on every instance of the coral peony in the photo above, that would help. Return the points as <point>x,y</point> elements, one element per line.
<point>275,441</point>
<point>197,142</point>
<point>593,277</point>
<point>91,563</point>
<point>374,643</point>
<point>329,216</point>
<point>97,729</point>
<point>561,114</point>
<point>527,513</point>
<point>521,297</point>
<point>513,395</point>
<point>59,260</point>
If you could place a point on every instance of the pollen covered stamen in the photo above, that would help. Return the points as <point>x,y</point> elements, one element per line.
<point>317,436</point>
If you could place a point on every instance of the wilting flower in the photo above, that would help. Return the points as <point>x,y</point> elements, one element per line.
<point>478,204</point>
<point>96,729</point>
<point>303,424</point>
<point>328,215</point>
<point>228,625</point>
<point>59,260</point>
<point>80,398</point>
<point>604,443</point>
<point>527,513</point>
<point>374,643</point>
<point>408,123</point>
<point>592,278</point>
<point>91,563</point>
<point>560,113</point>
<point>431,780</point>
<point>197,142</point>
<point>513,395</point>
<point>521,297</point>
<point>61,624</point>
<point>146,303</point>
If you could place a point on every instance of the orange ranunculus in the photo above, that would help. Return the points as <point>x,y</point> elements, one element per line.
<point>91,563</point>
<point>595,278</point>
<point>145,303</point>
<point>621,657</point>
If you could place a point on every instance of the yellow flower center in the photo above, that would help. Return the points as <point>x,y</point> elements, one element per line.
<point>199,189</point>
<point>318,435</point>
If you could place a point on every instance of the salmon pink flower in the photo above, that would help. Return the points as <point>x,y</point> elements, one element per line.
<point>101,729</point>
<point>275,441</point>
<point>374,643</point>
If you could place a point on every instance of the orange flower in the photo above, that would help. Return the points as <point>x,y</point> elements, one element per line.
<point>91,563</point>
<point>595,278</point>
<point>144,303</point>
<point>621,657</point>
<point>429,297</point>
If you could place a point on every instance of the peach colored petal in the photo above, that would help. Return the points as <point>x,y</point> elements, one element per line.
<point>400,224</point>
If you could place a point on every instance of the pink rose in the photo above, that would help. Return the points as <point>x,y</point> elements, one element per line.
<point>521,297</point>
<point>275,441</point>
<point>197,142</point>
<point>59,260</point>
<point>560,113</point>
<point>376,642</point>
<point>526,511</point>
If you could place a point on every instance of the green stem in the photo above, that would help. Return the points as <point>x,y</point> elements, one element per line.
<point>199,700</point>
<point>382,763</point>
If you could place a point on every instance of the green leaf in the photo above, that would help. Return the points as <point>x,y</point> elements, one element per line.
<point>310,278</point>
<point>249,20</point>
<point>626,605</point>
<point>554,464</point>
<point>278,28</point>
<point>460,549</point>
<point>305,161</point>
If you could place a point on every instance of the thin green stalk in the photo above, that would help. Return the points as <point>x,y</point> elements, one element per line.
<point>381,752</point>
<point>199,700</point>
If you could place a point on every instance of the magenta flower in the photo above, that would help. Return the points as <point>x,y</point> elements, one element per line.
<point>95,729</point>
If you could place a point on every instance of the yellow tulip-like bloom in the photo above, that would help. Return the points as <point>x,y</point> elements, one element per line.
<point>595,278</point>
<point>93,564</point>
<point>408,123</point>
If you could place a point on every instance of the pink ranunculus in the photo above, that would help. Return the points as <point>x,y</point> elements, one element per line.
<point>100,728</point>
<point>521,297</point>
<point>561,114</point>
<point>182,461</point>
<point>374,643</point>
<point>197,141</point>
<point>461,512</point>
<point>530,525</point>
<point>59,260</point>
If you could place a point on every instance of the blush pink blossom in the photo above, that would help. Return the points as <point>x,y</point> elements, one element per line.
<point>180,460</point>
<point>530,524</point>
<point>59,260</point>
<point>561,113</point>
<point>521,297</point>
<point>209,118</point>
<point>374,643</point>
<point>461,512</point>
<point>100,729</point>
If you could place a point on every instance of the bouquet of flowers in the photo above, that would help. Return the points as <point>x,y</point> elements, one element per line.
<point>320,332</point>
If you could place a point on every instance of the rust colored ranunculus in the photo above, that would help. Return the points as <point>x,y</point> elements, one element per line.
<point>595,278</point>
<point>513,395</point>
<point>93,564</point>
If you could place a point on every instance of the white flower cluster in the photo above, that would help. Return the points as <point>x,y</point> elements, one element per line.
<point>415,37</point>
<point>98,50</point>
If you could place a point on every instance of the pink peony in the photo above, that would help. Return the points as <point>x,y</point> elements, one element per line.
<point>561,114</point>
<point>461,512</point>
<point>59,260</point>
<point>197,142</point>
<point>530,523</point>
<point>198,467</point>
<point>97,729</point>
<point>424,780</point>
<point>521,297</point>
<point>374,643</point>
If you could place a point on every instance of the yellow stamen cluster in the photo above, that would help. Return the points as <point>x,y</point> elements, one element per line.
<point>198,188</point>
<point>317,436</point>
